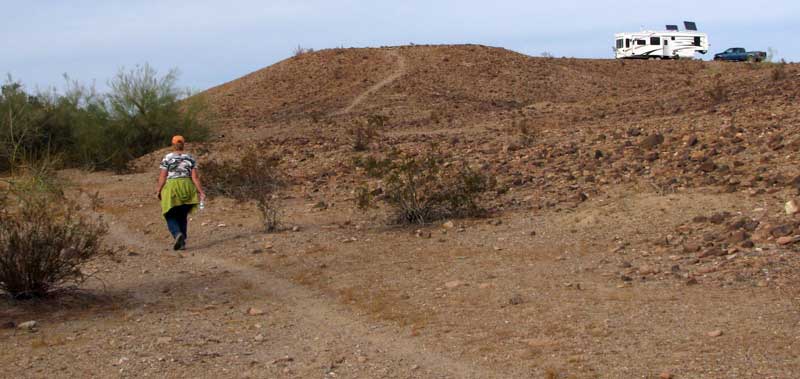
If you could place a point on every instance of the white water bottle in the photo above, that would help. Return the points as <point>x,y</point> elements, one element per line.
<point>202,205</point>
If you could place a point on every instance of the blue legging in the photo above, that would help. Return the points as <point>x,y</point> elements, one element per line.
<point>177,219</point>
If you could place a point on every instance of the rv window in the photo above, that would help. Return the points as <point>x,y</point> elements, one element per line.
<point>627,42</point>
<point>697,41</point>
<point>673,38</point>
<point>655,41</point>
<point>619,44</point>
<point>641,42</point>
<point>666,42</point>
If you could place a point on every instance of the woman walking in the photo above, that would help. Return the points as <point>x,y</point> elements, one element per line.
<point>179,190</point>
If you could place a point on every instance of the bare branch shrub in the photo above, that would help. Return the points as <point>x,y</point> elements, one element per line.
<point>255,177</point>
<point>300,50</point>
<point>45,243</point>
<point>428,188</point>
<point>364,130</point>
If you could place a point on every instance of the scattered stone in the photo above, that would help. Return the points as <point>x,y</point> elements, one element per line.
<point>361,359</point>
<point>665,375</point>
<point>259,338</point>
<point>28,325</point>
<point>626,278</point>
<point>788,240</point>
<point>652,141</point>
<point>648,270</point>
<point>714,333</point>
<point>712,252</point>
<point>449,225</point>
<point>781,230</point>
<point>516,300</point>
<point>691,281</point>
<point>254,311</point>
<point>295,228</point>
<point>691,248</point>
<point>790,207</point>
<point>454,284</point>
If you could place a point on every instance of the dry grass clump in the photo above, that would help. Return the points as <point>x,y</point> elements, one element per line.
<point>423,189</point>
<point>45,243</point>
<point>254,177</point>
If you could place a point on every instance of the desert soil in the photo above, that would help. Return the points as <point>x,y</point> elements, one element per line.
<point>635,245</point>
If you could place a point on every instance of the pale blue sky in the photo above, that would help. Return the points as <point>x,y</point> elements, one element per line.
<point>212,42</point>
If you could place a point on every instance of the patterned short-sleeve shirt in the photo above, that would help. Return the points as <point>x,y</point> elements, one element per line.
<point>178,165</point>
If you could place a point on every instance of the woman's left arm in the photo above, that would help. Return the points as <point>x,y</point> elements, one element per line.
<point>196,181</point>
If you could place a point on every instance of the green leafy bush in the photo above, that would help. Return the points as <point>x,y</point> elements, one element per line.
<point>89,130</point>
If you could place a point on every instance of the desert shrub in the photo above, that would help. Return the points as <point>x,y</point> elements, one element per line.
<point>375,167</point>
<point>300,50</point>
<point>45,244</point>
<point>147,110</point>
<point>718,91</point>
<point>778,71</point>
<point>523,131</point>
<point>363,131</point>
<point>254,177</point>
<point>427,188</point>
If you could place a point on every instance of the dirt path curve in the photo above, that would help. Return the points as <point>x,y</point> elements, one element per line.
<point>398,72</point>
<point>317,314</point>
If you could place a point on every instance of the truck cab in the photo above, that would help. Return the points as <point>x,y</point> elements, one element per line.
<point>739,54</point>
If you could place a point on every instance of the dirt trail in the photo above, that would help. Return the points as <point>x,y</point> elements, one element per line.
<point>399,72</point>
<point>317,315</point>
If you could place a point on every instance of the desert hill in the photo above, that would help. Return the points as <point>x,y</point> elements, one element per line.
<point>644,224</point>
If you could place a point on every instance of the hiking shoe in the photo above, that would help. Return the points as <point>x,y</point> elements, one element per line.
<point>180,242</point>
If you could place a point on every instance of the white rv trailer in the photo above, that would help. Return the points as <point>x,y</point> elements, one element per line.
<point>668,44</point>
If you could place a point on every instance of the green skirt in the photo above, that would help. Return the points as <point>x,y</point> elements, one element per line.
<point>178,191</point>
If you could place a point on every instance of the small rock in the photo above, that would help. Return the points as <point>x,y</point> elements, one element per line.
<point>691,281</point>
<point>652,141</point>
<point>454,284</point>
<point>691,247</point>
<point>648,270</point>
<point>665,375</point>
<point>516,300</point>
<point>790,207</point>
<point>28,325</point>
<point>449,225</point>
<point>361,359</point>
<point>254,311</point>
<point>714,333</point>
<point>781,230</point>
<point>788,240</point>
<point>295,228</point>
<point>712,252</point>
<point>259,338</point>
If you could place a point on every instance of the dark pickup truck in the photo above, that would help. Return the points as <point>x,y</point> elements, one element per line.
<point>739,54</point>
